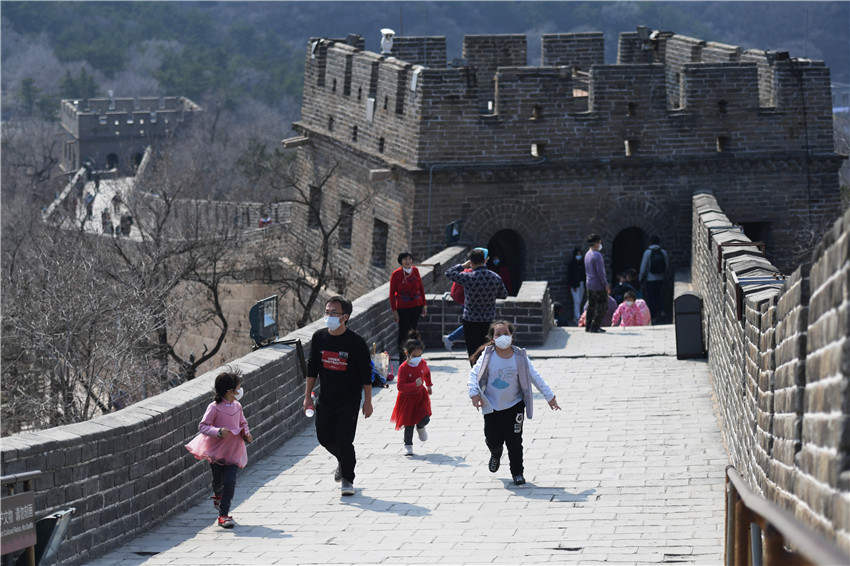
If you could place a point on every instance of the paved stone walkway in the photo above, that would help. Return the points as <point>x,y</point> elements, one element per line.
<point>630,472</point>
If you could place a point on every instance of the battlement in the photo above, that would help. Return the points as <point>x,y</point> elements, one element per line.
<point>667,97</point>
<point>113,116</point>
<point>111,133</point>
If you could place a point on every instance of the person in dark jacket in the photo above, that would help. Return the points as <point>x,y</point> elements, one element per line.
<point>575,280</point>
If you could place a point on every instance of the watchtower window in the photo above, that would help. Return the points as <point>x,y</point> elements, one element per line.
<point>354,133</point>
<point>359,92</point>
<point>379,243</point>
<point>537,149</point>
<point>722,106</point>
<point>381,145</point>
<point>631,147</point>
<point>346,222</point>
<point>632,109</point>
<point>330,123</point>
<point>333,87</point>
<point>722,143</point>
<point>314,208</point>
<point>536,112</point>
<point>386,102</point>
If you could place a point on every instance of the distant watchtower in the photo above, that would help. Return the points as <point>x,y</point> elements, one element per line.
<point>531,159</point>
<point>111,134</point>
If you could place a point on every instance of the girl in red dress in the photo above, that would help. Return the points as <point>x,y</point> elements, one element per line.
<point>413,404</point>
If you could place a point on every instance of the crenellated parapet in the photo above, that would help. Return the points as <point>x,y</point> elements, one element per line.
<point>668,97</point>
<point>111,133</point>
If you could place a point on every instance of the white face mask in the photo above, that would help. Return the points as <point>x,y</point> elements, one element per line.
<point>414,361</point>
<point>630,303</point>
<point>238,394</point>
<point>332,322</point>
<point>578,258</point>
<point>599,249</point>
<point>407,270</point>
<point>503,342</point>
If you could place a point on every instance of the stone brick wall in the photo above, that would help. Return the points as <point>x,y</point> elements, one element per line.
<point>626,145</point>
<point>530,311</point>
<point>781,365</point>
<point>127,471</point>
<point>96,127</point>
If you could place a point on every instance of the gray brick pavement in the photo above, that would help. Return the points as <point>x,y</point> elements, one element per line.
<point>631,471</point>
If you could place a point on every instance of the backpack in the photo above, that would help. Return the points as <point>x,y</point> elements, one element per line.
<point>657,265</point>
<point>457,293</point>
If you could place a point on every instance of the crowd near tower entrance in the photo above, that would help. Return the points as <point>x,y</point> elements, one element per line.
<point>627,251</point>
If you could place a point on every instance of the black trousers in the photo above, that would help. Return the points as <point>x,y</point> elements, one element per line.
<point>474,334</point>
<point>653,298</point>
<point>597,306</point>
<point>408,430</point>
<point>408,319</point>
<point>224,484</point>
<point>336,425</point>
<point>505,428</point>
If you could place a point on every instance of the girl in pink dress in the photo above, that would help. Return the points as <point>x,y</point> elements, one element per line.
<point>413,404</point>
<point>224,432</point>
<point>631,312</point>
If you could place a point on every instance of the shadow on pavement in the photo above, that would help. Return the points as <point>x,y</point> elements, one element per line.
<point>554,494</point>
<point>259,532</point>
<point>441,459</point>
<point>384,506</point>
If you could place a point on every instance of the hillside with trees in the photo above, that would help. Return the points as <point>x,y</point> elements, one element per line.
<point>241,54</point>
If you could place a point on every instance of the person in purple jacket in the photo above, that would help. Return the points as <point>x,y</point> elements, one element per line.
<point>597,284</point>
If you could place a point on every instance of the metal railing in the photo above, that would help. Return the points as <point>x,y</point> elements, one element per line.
<point>759,532</point>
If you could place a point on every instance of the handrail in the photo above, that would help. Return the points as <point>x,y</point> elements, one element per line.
<point>22,477</point>
<point>744,506</point>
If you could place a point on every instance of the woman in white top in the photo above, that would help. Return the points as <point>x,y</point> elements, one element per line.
<point>500,386</point>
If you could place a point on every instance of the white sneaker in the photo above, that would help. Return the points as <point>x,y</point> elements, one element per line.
<point>408,450</point>
<point>447,343</point>
<point>423,434</point>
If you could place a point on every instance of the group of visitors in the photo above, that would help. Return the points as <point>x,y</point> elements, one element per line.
<point>623,305</point>
<point>499,382</point>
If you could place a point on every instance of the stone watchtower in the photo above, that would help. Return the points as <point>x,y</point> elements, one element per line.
<point>111,134</point>
<point>531,159</point>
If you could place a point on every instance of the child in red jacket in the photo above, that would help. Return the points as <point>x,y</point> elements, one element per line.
<point>413,404</point>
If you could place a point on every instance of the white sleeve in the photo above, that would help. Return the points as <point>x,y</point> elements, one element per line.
<point>539,382</point>
<point>472,384</point>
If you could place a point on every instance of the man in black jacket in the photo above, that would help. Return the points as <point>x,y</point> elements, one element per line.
<point>340,359</point>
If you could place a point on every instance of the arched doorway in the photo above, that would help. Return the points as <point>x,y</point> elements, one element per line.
<point>112,161</point>
<point>627,251</point>
<point>508,246</point>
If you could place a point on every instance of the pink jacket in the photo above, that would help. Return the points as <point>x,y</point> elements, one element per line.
<point>635,315</point>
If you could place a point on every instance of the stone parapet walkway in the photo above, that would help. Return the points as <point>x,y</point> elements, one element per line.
<point>631,471</point>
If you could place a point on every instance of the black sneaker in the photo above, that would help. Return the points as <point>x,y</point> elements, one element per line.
<point>494,464</point>
<point>338,474</point>
<point>519,480</point>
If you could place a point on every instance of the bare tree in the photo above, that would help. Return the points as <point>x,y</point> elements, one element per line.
<point>309,268</point>
<point>72,338</point>
<point>173,242</point>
